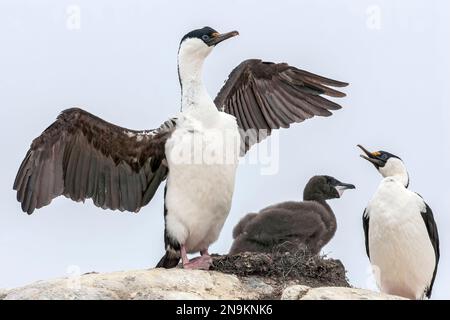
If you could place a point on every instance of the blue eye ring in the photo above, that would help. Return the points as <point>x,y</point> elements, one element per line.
<point>205,37</point>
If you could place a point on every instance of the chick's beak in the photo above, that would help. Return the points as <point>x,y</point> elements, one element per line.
<point>341,187</point>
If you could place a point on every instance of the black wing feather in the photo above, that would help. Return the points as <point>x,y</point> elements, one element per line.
<point>82,156</point>
<point>428,219</point>
<point>265,96</point>
<point>365,220</point>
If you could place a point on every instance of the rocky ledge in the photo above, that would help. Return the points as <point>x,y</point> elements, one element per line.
<point>241,277</point>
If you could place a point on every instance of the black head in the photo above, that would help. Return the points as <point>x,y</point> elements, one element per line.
<point>324,187</point>
<point>387,164</point>
<point>209,36</point>
<point>377,158</point>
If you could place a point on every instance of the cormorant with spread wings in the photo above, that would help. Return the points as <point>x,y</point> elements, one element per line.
<point>82,156</point>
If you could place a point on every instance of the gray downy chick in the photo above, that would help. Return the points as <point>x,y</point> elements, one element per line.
<point>291,226</point>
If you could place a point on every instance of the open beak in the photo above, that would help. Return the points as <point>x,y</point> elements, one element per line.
<point>219,37</point>
<point>341,187</point>
<point>372,157</point>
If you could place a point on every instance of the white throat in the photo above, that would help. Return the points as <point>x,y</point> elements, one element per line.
<point>191,56</point>
<point>396,169</point>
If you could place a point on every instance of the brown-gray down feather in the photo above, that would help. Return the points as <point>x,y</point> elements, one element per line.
<point>289,225</point>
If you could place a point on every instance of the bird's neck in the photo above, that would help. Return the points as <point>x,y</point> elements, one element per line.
<point>396,169</point>
<point>310,195</point>
<point>318,199</point>
<point>193,90</point>
<point>403,178</point>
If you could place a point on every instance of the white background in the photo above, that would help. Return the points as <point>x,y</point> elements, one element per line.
<point>119,63</point>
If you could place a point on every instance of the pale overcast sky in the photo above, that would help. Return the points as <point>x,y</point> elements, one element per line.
<point>119,62</point>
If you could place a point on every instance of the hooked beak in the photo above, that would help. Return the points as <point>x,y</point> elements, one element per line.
<point>372,157</point>
<point>341,187</point>
<point>219,37</point>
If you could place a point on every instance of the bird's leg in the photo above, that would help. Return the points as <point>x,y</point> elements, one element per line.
<point>203,262</point>
<point>184,257</point>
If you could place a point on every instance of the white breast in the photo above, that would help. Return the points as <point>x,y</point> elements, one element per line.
<point>400,249</point>
<point>202,165</point>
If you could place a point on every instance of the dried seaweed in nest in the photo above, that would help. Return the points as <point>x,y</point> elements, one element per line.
<point>283,266</point>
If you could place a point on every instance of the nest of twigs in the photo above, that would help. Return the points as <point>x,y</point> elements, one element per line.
<point>300,266</point>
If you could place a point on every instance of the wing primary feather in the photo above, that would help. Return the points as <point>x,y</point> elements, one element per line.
<point>241,113</point>
<point>265,95</point>
<point>78,186</point>
<point>91,183</point>
<point>22,171</point>
<point>100,192</point>
<point>234,110</point>
<point>30,195</point>
<point>84,174</point>
<point>69,179</point>
<point>319,79</point>
<point>259,120</point>
<point>44,187</point>
<point>279,118</point>
<point>301,107</point>
<point>131,193</point>
<point>34,183</point>
<point>265,110</point>
<point>251,121</point>
<point>123,187</point>
<point>114,188</point>
<point>108,197</point>
<point>284,105</point>
<point>322,102</point>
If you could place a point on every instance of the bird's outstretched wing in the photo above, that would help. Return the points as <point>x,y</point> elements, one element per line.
<point>265,96</point>
<point>428,219</point>
<point>81,156</point>
<point>365,220</point>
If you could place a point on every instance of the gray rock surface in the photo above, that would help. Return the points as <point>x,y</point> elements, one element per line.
<point>3,293</point>
<point>177,284</point>
<point>142,284</point>
<point>333,293</point>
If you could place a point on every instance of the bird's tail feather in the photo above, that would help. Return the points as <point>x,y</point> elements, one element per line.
<point>169,260</point>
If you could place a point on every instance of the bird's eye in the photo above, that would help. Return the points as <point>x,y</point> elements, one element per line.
<point>205,37</point>
<point>384,156</point>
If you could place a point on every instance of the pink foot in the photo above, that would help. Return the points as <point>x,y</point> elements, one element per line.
<point>199,263</point>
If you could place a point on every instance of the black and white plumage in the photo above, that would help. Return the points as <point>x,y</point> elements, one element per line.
<point>401,236</point>
<point>291,226</point>
<point>81,156</point>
